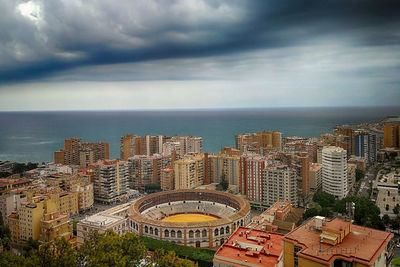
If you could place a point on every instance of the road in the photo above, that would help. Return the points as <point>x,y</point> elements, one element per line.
<point>366,183</point>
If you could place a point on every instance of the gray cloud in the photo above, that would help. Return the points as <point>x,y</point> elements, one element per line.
<point>52,38</point>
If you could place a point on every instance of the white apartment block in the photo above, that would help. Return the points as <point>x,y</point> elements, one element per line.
<point>334,171</point>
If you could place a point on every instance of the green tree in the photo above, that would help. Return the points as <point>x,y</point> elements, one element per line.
<point>395,223</point>
<point>4,174</point>
<point>9,259</point>
<point>54,254</point>
<point>311,212</point>
<point>386,219</point>
<point>30,246</point>
<point>19,168</point>
<point>324,199</point>
<point>223,184</point>
<point>109,249</point>
<point>396,209</point>
<point>366,212</point>
<point>169,258</point>
<point>5,236</point>
<point>360,174</point>
<point>151,188</point>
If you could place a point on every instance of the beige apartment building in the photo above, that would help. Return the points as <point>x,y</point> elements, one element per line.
<point>254,141</point>
<point>280,183</point>
<point>191,172</point>
<point>224,165</point>
<point>167,178</point>
<point>77,153</point>
<point>315,176</point>
<point>39,218</point>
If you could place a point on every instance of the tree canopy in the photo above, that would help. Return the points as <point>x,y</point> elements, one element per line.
<point>324,199</point>
<point>106,249</point>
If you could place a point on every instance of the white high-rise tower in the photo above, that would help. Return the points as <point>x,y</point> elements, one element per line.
<point>334,171</point>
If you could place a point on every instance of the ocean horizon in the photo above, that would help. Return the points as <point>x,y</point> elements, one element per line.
<point>35,135</point>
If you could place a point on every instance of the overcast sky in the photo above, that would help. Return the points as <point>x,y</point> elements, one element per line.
<point>154,54</point>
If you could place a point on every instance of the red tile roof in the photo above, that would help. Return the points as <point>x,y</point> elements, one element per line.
<point>247,246</point>
<point>361,245</point>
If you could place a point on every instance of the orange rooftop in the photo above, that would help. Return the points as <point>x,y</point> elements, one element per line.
<point>336,242</point>
<point>248,247</point>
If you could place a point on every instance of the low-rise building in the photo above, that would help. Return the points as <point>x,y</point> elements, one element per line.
<point>388,193</point>
<point>360,162</point>
<point>56,225</point>
<point>112,219</point>
<point>249,247</point>
<point>323,242</point>
<point>280,217</point>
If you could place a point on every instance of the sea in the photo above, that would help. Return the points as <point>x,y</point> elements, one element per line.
<point>34,136</point>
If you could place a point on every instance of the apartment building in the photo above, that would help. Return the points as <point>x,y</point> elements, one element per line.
<point>251,176</point>
<point>280,183</point>
<point>55,225</point>
<point>224,165</point>
<point>77,153</point>
<point>391,136</point>
<point>85,193</point>
<point>110,180</point>
<point>315,176</point>
<point>334,171</point>
<point>301,144</point>
<point>350,134</point>
<point>39,218</point>
<point>167,178</point>
<point>145,169</point>
<point>129,146</point>
<point>360,162</point>
<point>254,141</point>
<point>365,146</point>
<point>351,175</point>
<point>191,172</point>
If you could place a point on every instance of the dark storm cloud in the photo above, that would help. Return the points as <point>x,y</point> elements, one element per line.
<point>41,38</point>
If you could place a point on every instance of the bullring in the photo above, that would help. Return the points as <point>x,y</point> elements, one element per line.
<point>226,213</point>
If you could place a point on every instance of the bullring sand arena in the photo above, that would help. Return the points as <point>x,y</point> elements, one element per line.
<point>198,218</point>
<point>191,217</point>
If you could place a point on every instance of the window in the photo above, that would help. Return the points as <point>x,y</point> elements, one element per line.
<point>296,259</point>
<point>204,233</point>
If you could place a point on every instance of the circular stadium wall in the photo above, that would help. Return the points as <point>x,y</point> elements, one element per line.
<point>198,218</point>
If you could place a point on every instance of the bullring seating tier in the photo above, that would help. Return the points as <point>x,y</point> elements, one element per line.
<point>164,210</point>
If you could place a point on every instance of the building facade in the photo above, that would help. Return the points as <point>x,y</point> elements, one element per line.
<point>334,171</point>
<point>280,183</point>
<point>110,180</point>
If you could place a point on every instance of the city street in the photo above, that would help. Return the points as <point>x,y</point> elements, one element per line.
<point>366,183</point>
